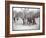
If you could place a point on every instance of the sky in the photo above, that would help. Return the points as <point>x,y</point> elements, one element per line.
<point>21,9</point>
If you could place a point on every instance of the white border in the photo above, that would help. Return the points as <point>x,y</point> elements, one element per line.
<point>20,32</point>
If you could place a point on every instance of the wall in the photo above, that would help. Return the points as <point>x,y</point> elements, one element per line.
<point>2,19</point>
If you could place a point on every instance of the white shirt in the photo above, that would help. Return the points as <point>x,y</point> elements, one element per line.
<point>19,21</point>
